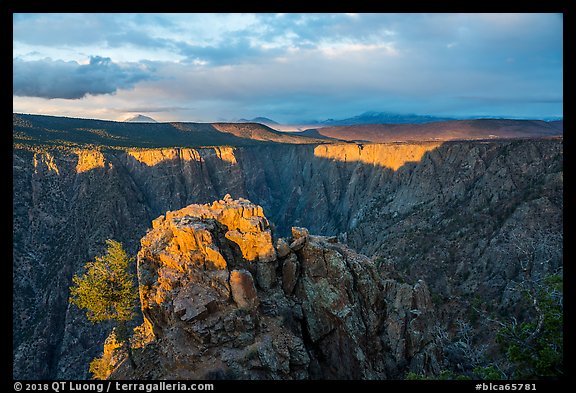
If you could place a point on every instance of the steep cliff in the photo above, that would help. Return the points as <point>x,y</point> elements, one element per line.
<point>465,218</point>
<point>222,301</point>
<point>446,213</point>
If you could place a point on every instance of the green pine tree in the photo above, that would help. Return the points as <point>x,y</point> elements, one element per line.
<point>107,291</point>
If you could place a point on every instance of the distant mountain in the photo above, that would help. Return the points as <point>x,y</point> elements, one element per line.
<point>74,132</point>
<point>441,130</point>
<point>372,117</point>
<point>140,119</point>
<point>261,120</point>
<point>559,124</point>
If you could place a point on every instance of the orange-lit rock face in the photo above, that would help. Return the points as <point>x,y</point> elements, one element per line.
<point>218,296</point>
<point>196,245</point>
<point>226,154</point>
<point>152,157</point>
<point>254,246</point>
<point>88,160</point>
<point>45,160</point>
<point>393,155</point>
<point>246,224</point>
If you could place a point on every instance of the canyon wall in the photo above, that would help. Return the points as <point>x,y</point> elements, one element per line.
<point>444,213</point>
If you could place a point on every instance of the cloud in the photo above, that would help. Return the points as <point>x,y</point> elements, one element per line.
<point>150,109</point>
<point>62,29</point>
<point>234,51</point>
<point>291,65</point>
<point>49,78</point>
<point>516,99</point>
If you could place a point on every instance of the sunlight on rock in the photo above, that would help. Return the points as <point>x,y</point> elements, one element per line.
<point>226,154</point>
<point>45,159</point>
<point>393,155</point>
<point>152,157</point>
<point>88,160</point>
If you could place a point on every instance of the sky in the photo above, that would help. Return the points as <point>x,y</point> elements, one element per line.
<point>288,67</point>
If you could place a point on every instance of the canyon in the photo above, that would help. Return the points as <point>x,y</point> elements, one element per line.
<point>450,213</point>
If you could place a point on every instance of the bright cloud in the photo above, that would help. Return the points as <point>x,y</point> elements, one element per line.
<point>287,67</point>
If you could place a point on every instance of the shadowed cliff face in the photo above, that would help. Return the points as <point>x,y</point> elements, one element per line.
<point>432,212</point>
<point>474,220</point>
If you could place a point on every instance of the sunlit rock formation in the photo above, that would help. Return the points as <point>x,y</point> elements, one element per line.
<point>224,302</point>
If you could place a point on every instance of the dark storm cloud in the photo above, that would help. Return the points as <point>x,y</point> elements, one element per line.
<point>70,80</point>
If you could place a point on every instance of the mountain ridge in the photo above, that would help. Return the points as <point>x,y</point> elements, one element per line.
<point>374,117</point>
<point>441,131</point>
<point>140,119</point>
<point>259,119</point>
<point>53,130</point>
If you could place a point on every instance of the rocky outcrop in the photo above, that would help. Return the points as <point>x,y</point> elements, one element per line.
<point>224,302</point>
<point>449,214</point>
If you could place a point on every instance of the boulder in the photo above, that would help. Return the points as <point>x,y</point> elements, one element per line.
<point>298,232</point>
<point>290,273</point>
<point>282,248</point>
<point>243,289</point>
<point>297,244</point>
